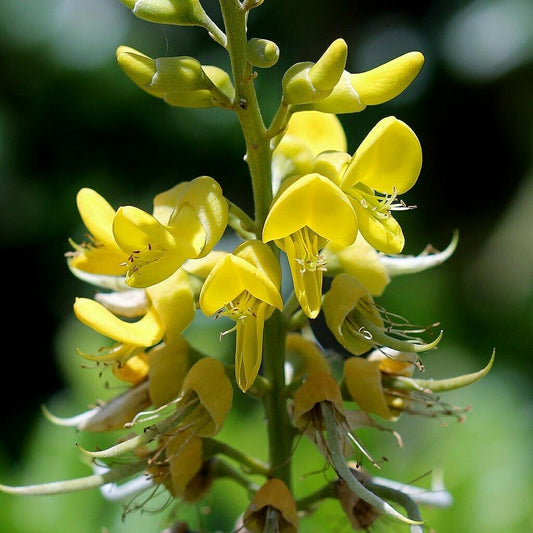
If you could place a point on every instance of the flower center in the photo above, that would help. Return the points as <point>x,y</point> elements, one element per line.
<point>378,206</point>
<point>241,307</point>
<point>141,257</point>
<point>306,251</point>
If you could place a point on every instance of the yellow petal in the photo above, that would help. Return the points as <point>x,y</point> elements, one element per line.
<point>387,81</point>
<point>147,331</point>
<point>249,347</point>
<point>343,296</point>
<point>208,380</point>
<point>174,303</point>
<point>388,160</point>
<point>382,231</point>
<point>99,260</point>
<point>168,366</point>
<point>204,197</point>
<point>319,387</point>
<point>97,215</point>
<point>275,495</point>
<point>316,202</point>
<point>307,281</point>
<point>134,370</point>
<point>230,277</point>
<point>363,381</point>
<point>184,451</point>
<point>325,73</point>
<point>165,202</point>
<point>304,356</point>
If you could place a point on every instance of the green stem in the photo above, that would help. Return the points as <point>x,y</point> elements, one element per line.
<point>251,463</point>
<point>246,106</point>
<point>259,158</point>
<point>277,418</point>
<point>308,502</point>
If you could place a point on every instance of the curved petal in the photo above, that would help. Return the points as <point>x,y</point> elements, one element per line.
<point>204,197</point>
<point>173,301</point>
<point>388,160</point>
<point>230,277</point>
<point>97,215</point>
<point>135,229</point>
<point>316,202</point>
<point>382,231</point>
<point>318,132</point>
<point>147,331</point>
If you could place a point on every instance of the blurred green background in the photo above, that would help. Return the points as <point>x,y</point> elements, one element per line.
<point>69,118</point>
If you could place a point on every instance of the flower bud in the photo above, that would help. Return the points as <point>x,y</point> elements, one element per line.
<point>180,81</point>
<point>308,82</point>
<point>179,12</point>
<point>262,53</point>
<point>354,92</point>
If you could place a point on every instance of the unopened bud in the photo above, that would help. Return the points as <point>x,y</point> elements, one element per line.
<point>179,12</point>
<point>262,53</point>
<point>307,82</point>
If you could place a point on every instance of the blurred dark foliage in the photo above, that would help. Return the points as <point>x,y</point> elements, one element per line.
<point>64,128</point>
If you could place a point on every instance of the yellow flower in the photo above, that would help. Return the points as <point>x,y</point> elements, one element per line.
<point>245,287</point>
<point>308,82</point>
<point>170,311</point>
<point>101,255</point>
<point>308,212</point>
<point>354,92</point>
<point>363,379</point>
<point>157,245</point>
<point>357,322</point>
<point>387,162</point>
<point>308,133</point>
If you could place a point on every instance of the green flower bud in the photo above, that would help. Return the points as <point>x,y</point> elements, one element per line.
<point>307,82</point>
<point>179,12</point>
<point>328,69</point>
<point>262,53</point>
<point>179,81</point>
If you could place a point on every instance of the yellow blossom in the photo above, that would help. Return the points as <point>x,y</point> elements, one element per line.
<point>308,133</point>
<point>170,311</point>
<point>386,164</point>
<point>157,248</point>
<point>308,212</point>
<point>354,92</point>
<point>357,322</point>
<point>245,287</point>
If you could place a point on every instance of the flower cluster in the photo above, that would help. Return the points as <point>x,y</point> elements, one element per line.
<point>323,210</point>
